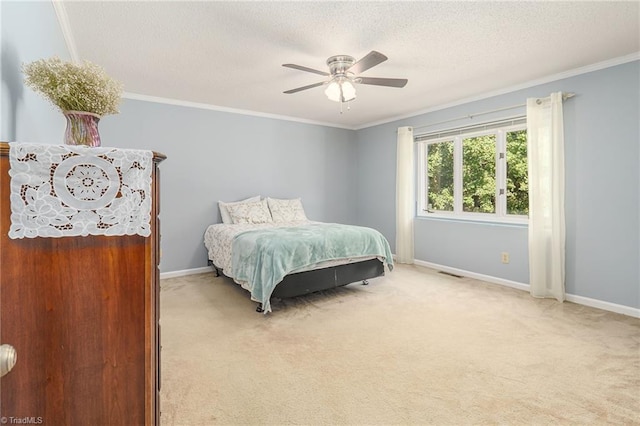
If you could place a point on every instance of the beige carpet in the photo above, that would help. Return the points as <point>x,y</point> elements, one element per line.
<point>414,347</point>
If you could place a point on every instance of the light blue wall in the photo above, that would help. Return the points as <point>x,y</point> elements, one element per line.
<point>30,31</point>
<point>348,176</point>
<point>215,156</point>
<point>602,140</point>
<point>211,155</point>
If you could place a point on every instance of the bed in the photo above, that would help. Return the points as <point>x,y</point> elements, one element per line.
<point>272,250</point>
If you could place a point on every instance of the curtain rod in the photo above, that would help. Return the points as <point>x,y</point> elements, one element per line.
<point>565,96</point>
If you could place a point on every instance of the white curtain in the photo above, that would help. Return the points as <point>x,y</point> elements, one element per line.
<point>405,194</point>
<point>545,136</point>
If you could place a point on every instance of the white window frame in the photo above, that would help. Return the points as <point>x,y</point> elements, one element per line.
<point>500,215</point>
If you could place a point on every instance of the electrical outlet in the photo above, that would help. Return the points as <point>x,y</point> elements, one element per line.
<point>505,257</point>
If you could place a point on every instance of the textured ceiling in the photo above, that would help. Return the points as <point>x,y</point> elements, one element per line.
<point>230,54</point>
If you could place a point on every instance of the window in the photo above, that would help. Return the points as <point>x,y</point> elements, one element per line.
<point>477,173</point>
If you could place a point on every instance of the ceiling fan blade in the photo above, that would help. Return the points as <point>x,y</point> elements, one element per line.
<point>298,89</point>
<point>301,68</point>
<point>372,59</point>
<point>376,81</point>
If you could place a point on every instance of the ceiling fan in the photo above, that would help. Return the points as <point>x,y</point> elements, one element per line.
<point>344,73</point>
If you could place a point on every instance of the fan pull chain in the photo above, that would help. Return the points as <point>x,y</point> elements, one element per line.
<point>348,106</point>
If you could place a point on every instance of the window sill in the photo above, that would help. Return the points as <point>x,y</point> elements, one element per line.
<point>520,222</point>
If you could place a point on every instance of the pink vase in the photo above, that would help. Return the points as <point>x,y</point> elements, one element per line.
<point>82,128</point>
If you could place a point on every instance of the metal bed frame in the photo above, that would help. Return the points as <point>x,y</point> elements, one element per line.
<point>306,282</point>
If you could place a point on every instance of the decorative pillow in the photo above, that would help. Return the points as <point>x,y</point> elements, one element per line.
<point>224,212</point>
<point>256,212</point>
<point>286,210</point>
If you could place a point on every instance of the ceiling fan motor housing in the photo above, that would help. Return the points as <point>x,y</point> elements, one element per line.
<point>339,64</point>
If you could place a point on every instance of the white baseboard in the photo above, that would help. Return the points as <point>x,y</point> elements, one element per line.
<point>185,272</point>
<point>469,274</point>
<point>606,306</point>
<point>586,301</point>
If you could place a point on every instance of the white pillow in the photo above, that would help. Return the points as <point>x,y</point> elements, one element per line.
<point>286,210</point>
<point>224,212</point>
<point>256,212</point>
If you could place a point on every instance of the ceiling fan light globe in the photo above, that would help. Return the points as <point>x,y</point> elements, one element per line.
<point>341,91</point>
<point>348,91</point>
<point>333,91</point>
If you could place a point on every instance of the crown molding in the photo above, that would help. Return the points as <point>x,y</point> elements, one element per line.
<point>554,77</point>
<point>63,20</point>
<point>189,104</point>
<point>560,76</point>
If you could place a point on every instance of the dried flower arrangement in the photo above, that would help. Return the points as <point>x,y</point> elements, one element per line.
<point>74,87</point>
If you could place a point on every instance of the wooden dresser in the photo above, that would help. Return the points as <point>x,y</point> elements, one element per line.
<point>82,314</point>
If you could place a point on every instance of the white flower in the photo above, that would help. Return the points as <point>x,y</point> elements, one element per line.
<point>74,87</point>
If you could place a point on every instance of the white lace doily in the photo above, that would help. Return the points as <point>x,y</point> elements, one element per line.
<point>67,190</point>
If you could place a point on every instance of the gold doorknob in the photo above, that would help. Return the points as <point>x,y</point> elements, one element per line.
<point>8,358</point>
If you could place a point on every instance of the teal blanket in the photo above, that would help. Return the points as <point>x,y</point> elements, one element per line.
<point>263,257</point>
